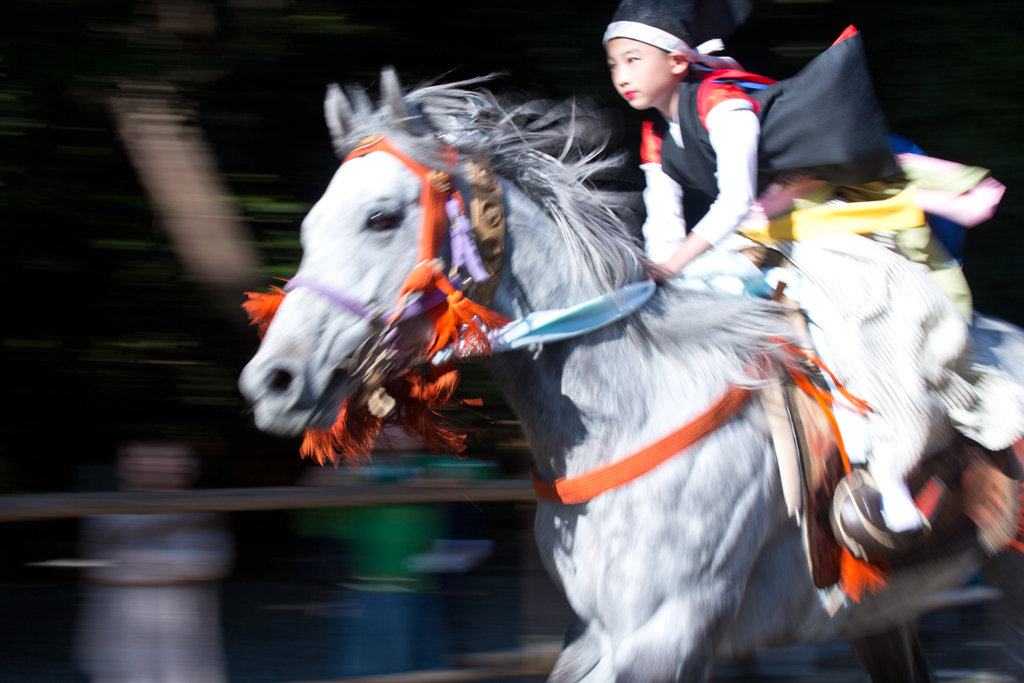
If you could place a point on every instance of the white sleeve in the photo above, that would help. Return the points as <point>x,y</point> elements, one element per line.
<point>665,227</point>
<point>734,131</point>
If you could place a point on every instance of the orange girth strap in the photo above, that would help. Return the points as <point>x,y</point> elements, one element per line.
<point>588,486</point>
<point>585,487</point>
<point>824,399</point>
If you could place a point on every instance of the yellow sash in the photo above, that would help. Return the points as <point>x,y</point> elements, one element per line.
<point>897,213</point>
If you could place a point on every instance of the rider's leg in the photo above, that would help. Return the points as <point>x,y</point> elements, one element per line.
<point>870,516</point>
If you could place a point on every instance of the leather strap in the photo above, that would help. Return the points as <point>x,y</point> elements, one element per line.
<point>487,216</point>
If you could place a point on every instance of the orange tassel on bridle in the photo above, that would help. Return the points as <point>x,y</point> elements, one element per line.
<point>261,308</point>
<point>462,318</point>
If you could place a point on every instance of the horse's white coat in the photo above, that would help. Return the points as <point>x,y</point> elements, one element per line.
<point>311,335</point>
<point>697,556</point>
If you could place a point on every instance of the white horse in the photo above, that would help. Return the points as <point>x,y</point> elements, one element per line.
<point>694,560</point>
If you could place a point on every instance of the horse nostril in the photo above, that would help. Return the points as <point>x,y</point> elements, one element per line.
<point>281,380</point>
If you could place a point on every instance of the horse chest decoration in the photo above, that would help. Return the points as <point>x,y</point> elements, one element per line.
<point>695,560</point>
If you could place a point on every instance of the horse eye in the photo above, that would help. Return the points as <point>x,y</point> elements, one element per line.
<point>382,221</point>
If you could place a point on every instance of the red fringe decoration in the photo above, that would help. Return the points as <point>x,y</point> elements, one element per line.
<point>421,279</point>
<point>467,317</point>
<point>415,410</point>
<point>351,439</point>
<point>261,308</point>
<point>856,576</point>
<point>436,389</point>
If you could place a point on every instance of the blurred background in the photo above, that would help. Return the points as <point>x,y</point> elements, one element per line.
<point>156,160</point>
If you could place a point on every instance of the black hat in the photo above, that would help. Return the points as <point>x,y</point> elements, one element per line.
<point>676,25</point>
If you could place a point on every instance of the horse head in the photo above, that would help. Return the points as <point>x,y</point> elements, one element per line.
<point>359,245</point>
<point>383,284</point>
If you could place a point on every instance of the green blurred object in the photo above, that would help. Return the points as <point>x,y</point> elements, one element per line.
<point>459,470</point>
<point>378,541</point>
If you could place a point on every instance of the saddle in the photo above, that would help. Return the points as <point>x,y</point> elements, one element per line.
<point>970,496</point>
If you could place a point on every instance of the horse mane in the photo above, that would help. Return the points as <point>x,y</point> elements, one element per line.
<point>556,153</point>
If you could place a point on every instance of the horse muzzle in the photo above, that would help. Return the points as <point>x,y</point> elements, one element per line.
<point>283,400</point>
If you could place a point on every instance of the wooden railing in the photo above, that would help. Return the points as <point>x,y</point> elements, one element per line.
<point>33,506</point>
<point>536,659</point>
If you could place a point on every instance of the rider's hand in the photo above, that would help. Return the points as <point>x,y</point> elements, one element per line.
<point>659,272</point>
<point>693,246</point>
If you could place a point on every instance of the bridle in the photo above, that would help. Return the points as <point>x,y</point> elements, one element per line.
<point>427,290</point>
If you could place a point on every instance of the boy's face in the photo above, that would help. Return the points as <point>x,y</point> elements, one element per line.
<point>645,75</point>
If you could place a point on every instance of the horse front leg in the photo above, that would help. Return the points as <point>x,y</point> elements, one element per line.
<point>581,654</point>
<point>677,644</point>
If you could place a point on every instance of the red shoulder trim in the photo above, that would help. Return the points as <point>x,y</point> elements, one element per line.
<point>650,144</point>
<point>849,32</point>
<point>711,94</point>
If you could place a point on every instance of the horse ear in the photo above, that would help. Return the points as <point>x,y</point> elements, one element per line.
<point>391,95</point>
<point>360,101</point>
<point>338,113</point>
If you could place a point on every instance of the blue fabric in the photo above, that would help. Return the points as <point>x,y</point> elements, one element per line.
<point>901,145</point>
<point>949,233</point>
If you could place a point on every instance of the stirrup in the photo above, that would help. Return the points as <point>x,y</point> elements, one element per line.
<point>859,526</point>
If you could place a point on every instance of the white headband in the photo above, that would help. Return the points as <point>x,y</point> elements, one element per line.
<point>645,34</point>
<point>664,40</point>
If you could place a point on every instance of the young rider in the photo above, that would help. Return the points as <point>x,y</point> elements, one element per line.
<point>710,151</point>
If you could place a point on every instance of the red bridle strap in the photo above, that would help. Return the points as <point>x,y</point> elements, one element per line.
<point>461,316</point>
<point>437,187</point>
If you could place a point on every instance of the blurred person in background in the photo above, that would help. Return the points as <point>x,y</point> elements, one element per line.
<point>385,606</point>
<point>151,611</point>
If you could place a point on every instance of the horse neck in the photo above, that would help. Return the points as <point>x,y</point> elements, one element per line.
<point>586,401</point>
<point>538,272</point>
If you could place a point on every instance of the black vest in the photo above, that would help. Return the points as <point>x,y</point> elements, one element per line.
<point>825,122</point>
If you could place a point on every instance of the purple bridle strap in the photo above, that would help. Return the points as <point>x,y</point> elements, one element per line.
<point>464,252</point>
<point>421,305</point>
<point>411,310</point>
<point>344,302</point>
